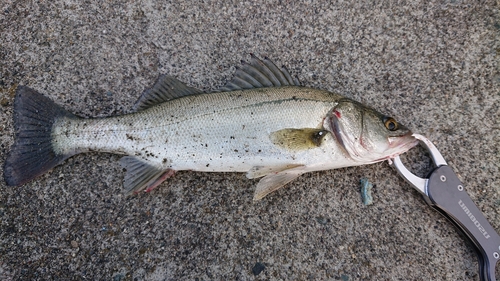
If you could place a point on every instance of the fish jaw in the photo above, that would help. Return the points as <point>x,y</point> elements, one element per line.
<point>400,145</point>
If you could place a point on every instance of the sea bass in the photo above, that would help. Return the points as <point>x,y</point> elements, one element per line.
<point>262,123</point>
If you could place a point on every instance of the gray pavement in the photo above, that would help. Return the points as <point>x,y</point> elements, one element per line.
<point>431,64</point>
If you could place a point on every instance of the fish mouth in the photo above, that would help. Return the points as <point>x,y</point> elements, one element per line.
<point>404,142</point>
<point>401,144</point>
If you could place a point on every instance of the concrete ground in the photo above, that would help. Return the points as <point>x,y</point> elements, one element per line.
<point>431,64</point>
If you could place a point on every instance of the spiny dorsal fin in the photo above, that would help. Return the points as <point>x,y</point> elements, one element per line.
<point>259,74</point>
<point>166,88</point>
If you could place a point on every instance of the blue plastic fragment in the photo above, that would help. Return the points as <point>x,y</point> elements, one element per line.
<point>366,191</point>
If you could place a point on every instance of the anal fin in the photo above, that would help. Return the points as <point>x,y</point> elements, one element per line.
<point>275,181</point>
<point>142,175</point>
<point>260,171</point>
<point>167,174</point>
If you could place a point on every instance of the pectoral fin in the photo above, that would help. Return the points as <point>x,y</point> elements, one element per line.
<point>298,139</point>
<point>141,175</point>
<point>275,181</point>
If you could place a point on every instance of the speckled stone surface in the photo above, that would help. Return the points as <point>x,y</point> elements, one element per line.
<point>431,64</point>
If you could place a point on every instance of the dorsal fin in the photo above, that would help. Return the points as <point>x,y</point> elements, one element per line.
<point>259,74</point>
<point>166,88</point>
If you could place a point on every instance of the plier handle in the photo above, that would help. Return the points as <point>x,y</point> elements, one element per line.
<point>444,192</point>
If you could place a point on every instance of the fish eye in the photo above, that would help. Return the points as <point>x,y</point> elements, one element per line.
<point>390,124</point>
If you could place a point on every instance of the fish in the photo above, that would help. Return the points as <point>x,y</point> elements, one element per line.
<point>262,123</point>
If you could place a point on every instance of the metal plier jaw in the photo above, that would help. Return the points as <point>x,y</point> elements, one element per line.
<point>444,192</point>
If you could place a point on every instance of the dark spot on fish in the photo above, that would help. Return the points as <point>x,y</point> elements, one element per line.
<point>317,137</point>
<point>207,165</point>
<point>166,140</point>
<point>294,98</point>
<point>164,160</point>
<point>236,150</point>
<point>260,150</point>
<point>129,137</point>
<point>231,137</point>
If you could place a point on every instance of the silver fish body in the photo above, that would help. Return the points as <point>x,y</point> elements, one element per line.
<point>277,132</point>
<point>225,131</point>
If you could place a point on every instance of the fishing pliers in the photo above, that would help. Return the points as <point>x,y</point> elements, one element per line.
<point>444,192</point>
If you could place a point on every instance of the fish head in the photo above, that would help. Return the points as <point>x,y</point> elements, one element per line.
<point>366,135</point>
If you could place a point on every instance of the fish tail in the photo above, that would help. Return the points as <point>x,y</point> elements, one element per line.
<point>32,153</point>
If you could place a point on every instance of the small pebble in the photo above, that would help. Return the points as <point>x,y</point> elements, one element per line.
<point>322,220</point>
<point>74,244</point>
<point>366,191</point>
<point>258,268</point>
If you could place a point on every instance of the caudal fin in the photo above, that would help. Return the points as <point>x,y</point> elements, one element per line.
<point>31,154</point>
